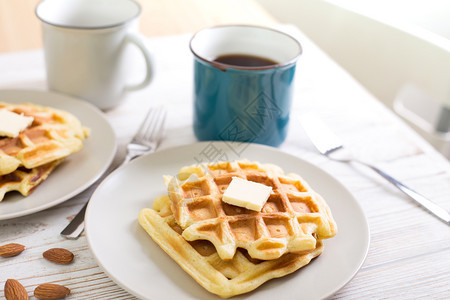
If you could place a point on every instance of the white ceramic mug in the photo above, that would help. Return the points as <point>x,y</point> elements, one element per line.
<point>86,44</point>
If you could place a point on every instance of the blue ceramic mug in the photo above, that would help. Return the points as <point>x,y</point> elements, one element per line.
<point>243,78</point>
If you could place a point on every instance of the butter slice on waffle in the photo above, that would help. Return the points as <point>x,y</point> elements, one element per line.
<point>25,180</point>
<point>54,134</point>
<point>292,220</point>
<point>200,259</point>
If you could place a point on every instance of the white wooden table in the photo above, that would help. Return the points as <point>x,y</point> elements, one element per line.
<point>409,256</point>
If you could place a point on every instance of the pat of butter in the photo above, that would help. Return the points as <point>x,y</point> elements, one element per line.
<point>248,194</point>
<point>11,124</point>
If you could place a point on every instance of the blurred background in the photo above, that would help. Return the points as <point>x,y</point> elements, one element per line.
<point>398,49</point>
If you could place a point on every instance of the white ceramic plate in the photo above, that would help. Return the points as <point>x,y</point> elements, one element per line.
<point>79,170</point>
<point>131,258</point>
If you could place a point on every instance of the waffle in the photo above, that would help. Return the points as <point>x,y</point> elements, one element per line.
<point>200,259</point>
<point>54,134</point>
<point>292,220</point>
<point>25,180</point>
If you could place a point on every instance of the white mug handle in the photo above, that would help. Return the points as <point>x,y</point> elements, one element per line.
<point>138,41</point>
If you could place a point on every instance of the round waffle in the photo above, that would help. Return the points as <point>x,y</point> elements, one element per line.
<point>200,259</point>
<point>25,180</point>
<point>292,220</point>
<point>54,134</point>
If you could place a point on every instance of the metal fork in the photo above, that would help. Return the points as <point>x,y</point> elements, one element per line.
<point>146,140</point>
<point>331,146</point>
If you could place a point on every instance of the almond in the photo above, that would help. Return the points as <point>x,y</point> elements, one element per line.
<point>58,256</point>
<point>11,249</point>
<point>14,290</point>
<point>51,291</point>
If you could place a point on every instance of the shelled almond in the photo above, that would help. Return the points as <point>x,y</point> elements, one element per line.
<point>59,256</point>
<point>11,249</point>
<point>14,290</point>
<point>49,291</point>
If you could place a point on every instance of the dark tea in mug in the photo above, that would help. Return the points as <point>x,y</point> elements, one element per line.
<point>245,60</point>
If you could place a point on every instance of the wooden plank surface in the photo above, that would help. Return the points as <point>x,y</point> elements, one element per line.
<point>410,249</point>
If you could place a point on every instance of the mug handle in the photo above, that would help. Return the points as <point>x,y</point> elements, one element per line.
<point>138,41</point>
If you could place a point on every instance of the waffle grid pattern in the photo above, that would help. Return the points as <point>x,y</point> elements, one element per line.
<point>54,134</point>
<point>25,180</point>
<point>292,220</point>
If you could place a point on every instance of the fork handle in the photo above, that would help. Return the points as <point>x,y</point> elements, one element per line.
<point>76,226</point>
<point>432,207</point>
